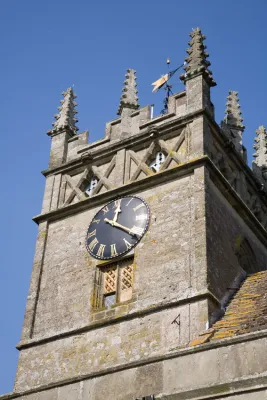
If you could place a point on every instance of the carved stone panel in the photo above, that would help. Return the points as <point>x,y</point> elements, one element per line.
<point>93,180</point>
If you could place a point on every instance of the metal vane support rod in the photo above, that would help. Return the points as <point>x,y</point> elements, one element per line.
<point>163,82</point>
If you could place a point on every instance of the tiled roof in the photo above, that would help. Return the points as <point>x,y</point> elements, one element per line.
<point>247,311</point>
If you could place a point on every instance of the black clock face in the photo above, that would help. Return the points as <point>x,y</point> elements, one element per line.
<point>117,227</point>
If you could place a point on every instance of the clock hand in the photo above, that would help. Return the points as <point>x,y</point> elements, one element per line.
<point>114,223</point>
<point>125,228</point>
<point>117,211</point>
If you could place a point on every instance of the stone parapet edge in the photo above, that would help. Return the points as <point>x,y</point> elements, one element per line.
<point>141,138</point>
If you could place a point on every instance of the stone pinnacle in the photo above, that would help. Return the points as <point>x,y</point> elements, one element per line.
<point>129,97</point>
<point>197,63</point>
<point>261,147</point>
<point>233,114</point>
<point>65,119</point>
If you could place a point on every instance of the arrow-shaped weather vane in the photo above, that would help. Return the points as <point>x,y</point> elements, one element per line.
<point>163,81</point>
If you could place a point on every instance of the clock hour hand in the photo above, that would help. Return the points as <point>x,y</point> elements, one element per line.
<point>133,231</point>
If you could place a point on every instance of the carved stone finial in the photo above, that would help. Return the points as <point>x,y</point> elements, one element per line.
<point>65,119</point>
<point>261,147</point>
<point>197,63</point>
<point>129,97</point>
<point>233,114</point>
<point>232,125</point>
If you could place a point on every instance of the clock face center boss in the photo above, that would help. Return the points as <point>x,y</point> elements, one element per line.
<point>117,227</point>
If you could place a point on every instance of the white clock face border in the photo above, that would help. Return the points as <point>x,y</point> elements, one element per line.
<point>117,227</point>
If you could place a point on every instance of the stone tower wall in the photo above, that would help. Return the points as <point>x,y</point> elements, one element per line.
<point>208,227</point>
<point>225,229</point>
<point>170,273</point>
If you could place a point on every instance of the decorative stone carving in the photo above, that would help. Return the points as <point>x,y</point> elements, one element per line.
<point>197,62</point>
<point>129,97</point>
<point>261,147</point>
<point>153,131</point>
<point>170,154</point>
<point>232,125</point>
<point>65,119</point>
<point>86,157</point>
<point>92,177</point>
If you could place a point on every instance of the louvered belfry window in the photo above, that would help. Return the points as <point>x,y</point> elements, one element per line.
<point>117,281</point>
<point>156,163</point>
<point>90,187</point>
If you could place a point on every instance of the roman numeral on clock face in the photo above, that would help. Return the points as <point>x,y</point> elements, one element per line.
<point>100,251</point>
<point>127,244</point>
<point>117,203</point>
<point>129,202</point>
<point>113,250</point>
<point>139,206</point>
<point>93,243</point>
<point>141,217</point>
<point>105,210</point>
<point>93,233</point>
<point>136,230</point>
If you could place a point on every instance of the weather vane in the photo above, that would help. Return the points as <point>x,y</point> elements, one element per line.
<point>164,82</point>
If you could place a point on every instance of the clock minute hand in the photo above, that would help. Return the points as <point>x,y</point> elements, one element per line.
<point>114,223</point>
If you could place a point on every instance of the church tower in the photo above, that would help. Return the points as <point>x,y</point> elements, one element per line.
<point>149,277</point>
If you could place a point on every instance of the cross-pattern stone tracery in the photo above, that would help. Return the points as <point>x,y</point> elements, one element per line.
<point>172,154</point>
<point>95,178</point>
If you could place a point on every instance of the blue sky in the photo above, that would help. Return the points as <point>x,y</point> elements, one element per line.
<point>47,46</point>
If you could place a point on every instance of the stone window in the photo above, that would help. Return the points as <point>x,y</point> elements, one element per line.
<point>90,187</point>
<point>156,163</point>
<point>116,282</point>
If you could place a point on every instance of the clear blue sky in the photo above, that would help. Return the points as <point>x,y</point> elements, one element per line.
<point>47,46</point>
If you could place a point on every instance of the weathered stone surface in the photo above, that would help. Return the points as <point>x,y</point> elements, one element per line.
<point>67,280</point>
<point>206,208</point>
<point>225,230</point>
<point>196,62</point>
<point>129,99</point>
<point>65,119</point>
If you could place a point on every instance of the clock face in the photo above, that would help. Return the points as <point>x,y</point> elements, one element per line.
<point>117,227</point>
